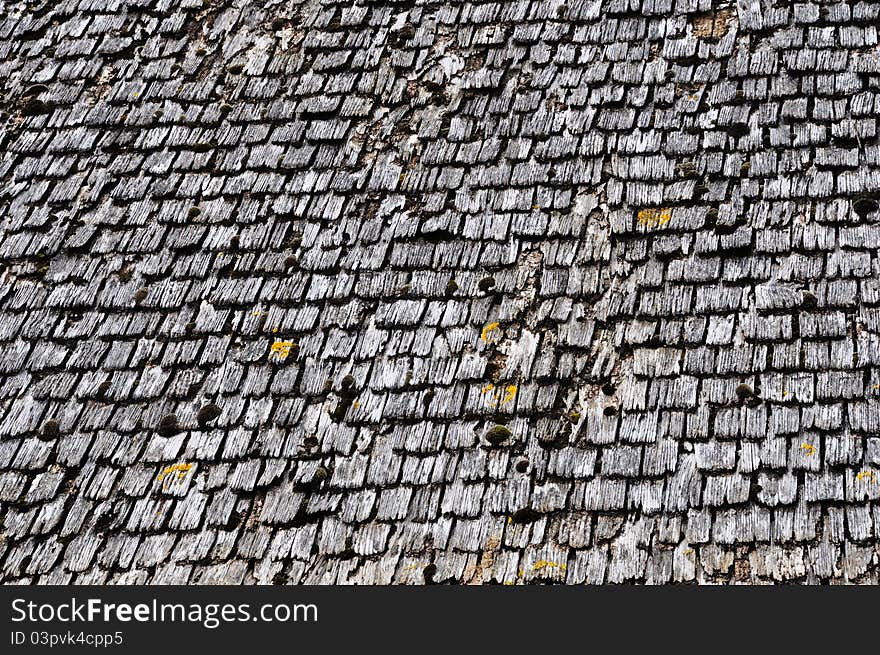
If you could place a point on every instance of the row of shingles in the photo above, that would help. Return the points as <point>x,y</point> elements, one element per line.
<point>789,485</point>
<point>841,450</point>
<point>471,439</point>
<point>476,537</point>
<point>71,299</point>
<point>242,479</point>
<point>132,457</point>
<point>672,394</point>
<point>477,545</point>
<point>346,469</point>
<point>517,495</point>
<point>228,535</point>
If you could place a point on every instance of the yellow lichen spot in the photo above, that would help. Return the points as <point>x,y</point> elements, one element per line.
<point>654,217</point>
<point>282,348</point>
<point>536,206</point>
<point>180,469</point>
<point>256,312</point>
<point>509,393</point>
<point>274,330</point>
<point>865,476</point>
<point>688,551</point>
<point>520,573</point>
<point>357,404</point>
<point>509,583</point>
<point>809,449</point>
<point>509,520</point>
<point>544,564</point>
<point>488,330</point>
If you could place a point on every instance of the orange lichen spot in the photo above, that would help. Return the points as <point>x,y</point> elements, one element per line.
<point>536,206</point>
<point>357,404</point>
<point>654,217</point>
<point>282,348</point>
<point>865,476</point>
<point>809,449</point>
<point>180,469</point>
<point>488,332</point>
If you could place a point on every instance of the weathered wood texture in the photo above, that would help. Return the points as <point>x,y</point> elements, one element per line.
<point>391,292</point>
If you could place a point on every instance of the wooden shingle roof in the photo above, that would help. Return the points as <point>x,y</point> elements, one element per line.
<point>398,292</point>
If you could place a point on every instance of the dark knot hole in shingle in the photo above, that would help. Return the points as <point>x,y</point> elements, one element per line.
<point>525,515</point>
<point>207,414</point>
<point>169,426</point>
<point>498,435</point>
<point>809,300</point>
<point>744,392</point>
<point>738,130</point>
<point>486,284</point>
<point>51,430</point>
<point>864,205</point>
